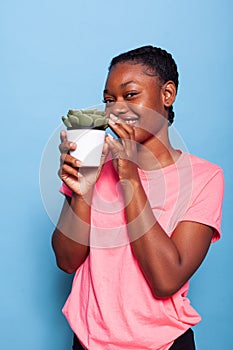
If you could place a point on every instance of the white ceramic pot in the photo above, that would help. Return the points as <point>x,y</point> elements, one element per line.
<point>89,145</point>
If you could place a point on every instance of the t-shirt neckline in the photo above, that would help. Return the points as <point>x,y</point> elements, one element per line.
<point>163,169</point>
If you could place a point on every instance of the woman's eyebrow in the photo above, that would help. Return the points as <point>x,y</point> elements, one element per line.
<point>126,83</point>
<point>123,85</point>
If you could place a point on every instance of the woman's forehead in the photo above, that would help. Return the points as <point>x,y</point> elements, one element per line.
<point>125,72</point>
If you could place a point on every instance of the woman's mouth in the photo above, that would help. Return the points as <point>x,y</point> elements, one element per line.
<point>130,120</point>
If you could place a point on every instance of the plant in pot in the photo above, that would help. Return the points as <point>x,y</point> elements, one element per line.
<point>87,129</point>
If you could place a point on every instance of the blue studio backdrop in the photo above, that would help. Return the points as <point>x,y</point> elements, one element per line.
<point>54,56</point>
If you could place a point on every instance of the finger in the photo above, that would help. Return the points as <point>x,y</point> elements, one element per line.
<point>67,146</point>
<point>129,130</point>
<point>130,145</point>
<point>123,130</point>
<point>113,143</point>
<point>125,144</point>
<point>105,150</point>
<point>116,148</point>
<point>68,159</point>
<point>63,136</point>
<point>104,154</point>
<point>66,170</point>
<point>128,138</point>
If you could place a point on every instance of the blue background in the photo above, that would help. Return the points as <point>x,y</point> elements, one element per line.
<point>54,56</point>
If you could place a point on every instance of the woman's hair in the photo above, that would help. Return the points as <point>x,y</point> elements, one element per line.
<point>159,62</point>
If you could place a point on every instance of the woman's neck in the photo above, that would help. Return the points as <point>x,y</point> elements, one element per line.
<point>157,153</point>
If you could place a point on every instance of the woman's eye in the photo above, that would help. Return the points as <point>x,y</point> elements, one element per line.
<point>130,94</point>
<point>108,101</point>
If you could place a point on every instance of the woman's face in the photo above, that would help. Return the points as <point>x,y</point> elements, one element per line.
<point>135,98</point>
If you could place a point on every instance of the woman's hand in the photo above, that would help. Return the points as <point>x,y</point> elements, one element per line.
<point>79,179</point>
<point>124,151</point>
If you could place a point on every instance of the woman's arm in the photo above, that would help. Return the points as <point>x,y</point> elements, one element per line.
<point>70,240</point>
<point>167,263</point>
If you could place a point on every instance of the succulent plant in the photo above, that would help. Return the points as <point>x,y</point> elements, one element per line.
<point>85,119</point>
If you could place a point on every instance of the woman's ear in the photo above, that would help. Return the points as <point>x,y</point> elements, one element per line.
<point>169,93</point>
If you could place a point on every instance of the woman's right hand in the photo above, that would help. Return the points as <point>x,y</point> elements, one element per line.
<point>79,179</point>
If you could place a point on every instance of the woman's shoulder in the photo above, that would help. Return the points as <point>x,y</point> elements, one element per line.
<point>204,173</point>
<point>203,165</point>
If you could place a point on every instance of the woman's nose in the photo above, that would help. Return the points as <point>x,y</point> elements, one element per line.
<point>118,108</point>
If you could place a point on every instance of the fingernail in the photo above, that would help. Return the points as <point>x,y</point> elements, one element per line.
<point>78,163</point>
<point>111,122</point>
<point>113,117</point>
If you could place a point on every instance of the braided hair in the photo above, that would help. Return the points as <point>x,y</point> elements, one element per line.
<point>159,62</point>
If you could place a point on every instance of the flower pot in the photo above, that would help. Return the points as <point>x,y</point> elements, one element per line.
<point>89,145</point>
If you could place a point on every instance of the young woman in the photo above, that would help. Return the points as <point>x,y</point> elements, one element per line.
<point>136,229</point>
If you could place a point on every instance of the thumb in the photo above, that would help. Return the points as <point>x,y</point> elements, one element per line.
<point>104,154</point>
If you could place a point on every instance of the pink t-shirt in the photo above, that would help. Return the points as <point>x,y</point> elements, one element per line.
<point>111,305</point>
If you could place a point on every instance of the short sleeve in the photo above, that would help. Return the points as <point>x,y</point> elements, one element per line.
<point>206,204</point>
<point>64,189</point>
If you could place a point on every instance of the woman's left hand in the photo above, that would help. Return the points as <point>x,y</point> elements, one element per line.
<point>124,151</point>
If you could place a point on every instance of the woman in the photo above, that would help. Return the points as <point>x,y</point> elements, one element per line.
<point>136,229</point>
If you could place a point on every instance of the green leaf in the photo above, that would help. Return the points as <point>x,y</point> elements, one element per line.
<point>74,120</point>
<point>85,120</point>
<point>66,122</point>
<point>100,122</point>
<point>75,112</point>
<point>88,111</point>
